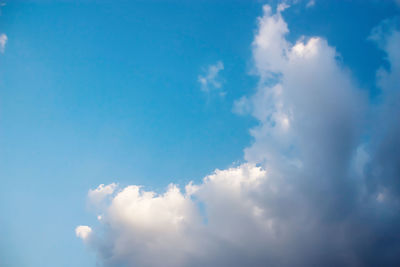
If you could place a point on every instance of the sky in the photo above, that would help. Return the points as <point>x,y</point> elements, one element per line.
<point>207,133</point>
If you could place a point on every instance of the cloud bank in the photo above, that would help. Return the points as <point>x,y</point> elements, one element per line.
<point>321,182</point>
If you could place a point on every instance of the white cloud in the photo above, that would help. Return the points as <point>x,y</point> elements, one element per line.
<point>98,195</point>
<point>313,192</point>
<point>312,101</point>
<point>149,229</point>
<point>3,42</point>
<point>211,80</point>
<point>83,232</point>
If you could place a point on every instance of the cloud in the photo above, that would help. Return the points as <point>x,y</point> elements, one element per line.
<point>98,195</point>
<point>149,229</point>
<point>211,80</point>
<point>310,3</point>
<point>83,232</point>
<point>384,170</point>
<point>3,42</point>
<point>314,191</point>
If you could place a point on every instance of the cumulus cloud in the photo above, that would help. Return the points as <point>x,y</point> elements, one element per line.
<point>169,229</point>
<point>3,42</point>
<point>210,80</point>
<point>320,186</point>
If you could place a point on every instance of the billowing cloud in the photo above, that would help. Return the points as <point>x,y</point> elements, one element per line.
<point>3,42</point>
<point>321,182</point>
<point>210,80</point>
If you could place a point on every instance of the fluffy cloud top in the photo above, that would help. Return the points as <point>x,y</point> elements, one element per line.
<point>98,195</point>
<point>314,190</point>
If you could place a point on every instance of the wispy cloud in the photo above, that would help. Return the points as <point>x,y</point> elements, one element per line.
<point>3,42</point>
<point>210,80</point>
<point>310,3</point>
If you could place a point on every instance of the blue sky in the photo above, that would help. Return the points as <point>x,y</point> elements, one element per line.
<point>99,93</point>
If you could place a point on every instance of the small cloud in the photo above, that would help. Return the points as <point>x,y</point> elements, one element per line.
<point>83,232</point>
<point>242,106</point>
<point>211,80</point>
<point>3,42</point>
<point>281,7</point>
<point>382,33</point>
<point>381,197</point>
<point>310,3</point>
